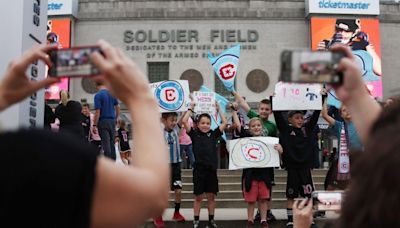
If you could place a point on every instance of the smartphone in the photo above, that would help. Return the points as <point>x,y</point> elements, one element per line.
<point>310,67</point>
<point>327,200</point>
<point>73,62</point>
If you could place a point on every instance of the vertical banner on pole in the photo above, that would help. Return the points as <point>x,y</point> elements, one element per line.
<point>24,26</point>
<point>226,65</point>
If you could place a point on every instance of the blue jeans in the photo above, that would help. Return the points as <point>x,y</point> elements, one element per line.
<point>106,129</point>
<point>189,152</point>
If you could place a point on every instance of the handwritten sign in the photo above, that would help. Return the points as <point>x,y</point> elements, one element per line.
<point>292,96</point>
<point>205,102</point>
<point>253,152</point>
<point>172,96</point>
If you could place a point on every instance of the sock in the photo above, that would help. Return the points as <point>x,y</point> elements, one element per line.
<point>289,214</point>
<point>196,218</point>
<point>177,206</point>
<point>210,217</point>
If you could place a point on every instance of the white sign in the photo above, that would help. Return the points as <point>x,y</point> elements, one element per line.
<point>24,25</point>
<point>356,7</point>
<point>172,96</point>
<point>253,152</point>
<point>292,96</point>
<point>62,7</point>
<point>205,102</point>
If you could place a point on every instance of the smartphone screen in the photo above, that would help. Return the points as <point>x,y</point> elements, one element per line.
<point>327,200</point>
<point>310,67</point>
<point>73,62</point>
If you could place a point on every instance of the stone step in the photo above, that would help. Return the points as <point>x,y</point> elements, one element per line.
<point>277,203</point>
<point>229,194</point>
<point>237,186</point>
<point>229,224</point>
<point>237,178</point>
<point>189,172</point>
<point>229,217</point>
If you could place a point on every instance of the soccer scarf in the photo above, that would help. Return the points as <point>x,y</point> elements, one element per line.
<point>344,159</point>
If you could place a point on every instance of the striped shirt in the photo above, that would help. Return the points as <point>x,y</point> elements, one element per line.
<point>172,140</point>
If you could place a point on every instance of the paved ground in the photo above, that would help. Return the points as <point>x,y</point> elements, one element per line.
<point>230,214</point>
<point>231,218</point>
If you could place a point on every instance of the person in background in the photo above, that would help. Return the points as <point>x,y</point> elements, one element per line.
<point>86,122</point>
<point>105,117</point>
<point>338,175</point>
<point>123,140</point>
<point>49,116</point>
<point>68,112</point>
<point>186,146</point>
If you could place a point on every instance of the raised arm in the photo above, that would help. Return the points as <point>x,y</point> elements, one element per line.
<point>185,118</point>
<point>224,122</point>
<point>132,193</point>
<point>363,109</point>
<point>280,121</point>
<point>236,120</point>
<point>242,103</point>
<point>331,121</point>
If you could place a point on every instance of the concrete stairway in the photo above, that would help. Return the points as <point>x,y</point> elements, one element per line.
<point>231,209</point>
<point>230,195</point>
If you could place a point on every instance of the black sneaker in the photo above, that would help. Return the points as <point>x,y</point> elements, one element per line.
<point>196,224</point>
<point>257,218</point>
<point>264,224</point>
<point>212,224</point>
<point>271,217</point>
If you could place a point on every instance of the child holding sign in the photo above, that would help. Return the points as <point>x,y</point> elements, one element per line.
<point>298,160</point>
<point>269,129</point>
<point>256,182</point>
<point>171,136</point>
<point>204,141</point>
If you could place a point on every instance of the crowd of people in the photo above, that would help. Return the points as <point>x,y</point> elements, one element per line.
<point>102,129</point>
<point>70,184</point>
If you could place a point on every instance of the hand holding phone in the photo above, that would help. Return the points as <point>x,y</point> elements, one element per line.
<point>73,62</point>
<point>327,200</point>
<point>302,213</point>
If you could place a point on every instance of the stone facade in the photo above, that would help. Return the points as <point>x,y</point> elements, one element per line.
<point>199,25</point>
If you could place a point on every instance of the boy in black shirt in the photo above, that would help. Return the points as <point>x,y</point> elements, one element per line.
<point>204,141</point>
<point>296,140</point>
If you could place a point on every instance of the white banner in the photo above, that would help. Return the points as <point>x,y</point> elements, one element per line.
<point>355,7</point>
<point>293,96</point>
<point>205,102</point>
<point>172,96</point>
<point>253,152</point>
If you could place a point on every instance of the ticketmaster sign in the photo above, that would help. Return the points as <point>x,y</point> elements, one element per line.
<point>62,7</point>
<point>356,7</point>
